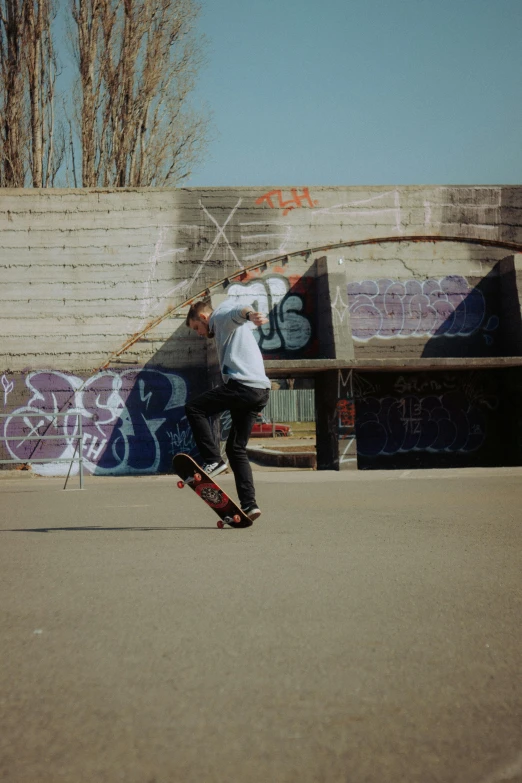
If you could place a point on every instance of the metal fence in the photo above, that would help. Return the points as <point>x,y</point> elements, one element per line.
<point>291,405</point>
<point>78,449</point>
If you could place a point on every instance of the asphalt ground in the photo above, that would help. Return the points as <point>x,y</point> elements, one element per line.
<point>367,628</point>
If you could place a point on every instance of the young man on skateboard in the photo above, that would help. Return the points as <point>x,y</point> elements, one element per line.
<point>244,392</point>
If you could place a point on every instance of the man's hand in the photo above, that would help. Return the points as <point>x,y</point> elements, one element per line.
<point>256,318</point>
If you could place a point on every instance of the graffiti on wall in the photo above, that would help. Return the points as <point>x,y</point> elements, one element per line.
<point>389,309</point>
<point>296,200</point>
<point>132,421</point>
<point>439,414</point>
<point>8,387</point>
<point>289,305</point>
<point>346,417</point>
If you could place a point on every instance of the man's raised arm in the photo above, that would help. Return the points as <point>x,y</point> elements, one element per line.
<point>256,318</point>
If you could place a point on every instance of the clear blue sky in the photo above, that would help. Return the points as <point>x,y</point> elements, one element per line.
<point>347,92</point>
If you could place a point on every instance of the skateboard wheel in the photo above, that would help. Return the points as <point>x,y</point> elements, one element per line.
<point>236,518</point>
<point>181,484</point>
<point>221,524</point>
<point>197,476</point>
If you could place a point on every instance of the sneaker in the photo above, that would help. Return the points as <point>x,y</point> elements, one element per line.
<point>252,512</point>
<point>213,469</point>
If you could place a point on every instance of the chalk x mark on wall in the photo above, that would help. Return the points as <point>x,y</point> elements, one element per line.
<point>8,387</point>
<point>296,201</point>
<point>220,234</point>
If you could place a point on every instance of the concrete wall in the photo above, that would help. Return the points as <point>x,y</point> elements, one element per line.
<point>83,271</point>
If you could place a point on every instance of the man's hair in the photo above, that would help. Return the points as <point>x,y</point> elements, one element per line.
<point>196,309</point>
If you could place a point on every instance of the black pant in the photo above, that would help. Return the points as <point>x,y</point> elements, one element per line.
<point>244,403</point>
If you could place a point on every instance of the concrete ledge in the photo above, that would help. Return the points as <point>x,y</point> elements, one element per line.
<point>276,368</point>
<point>283,459</point>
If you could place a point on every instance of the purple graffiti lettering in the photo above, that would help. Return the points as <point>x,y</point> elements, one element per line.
<point>127,420</point>
<point>389,309</point>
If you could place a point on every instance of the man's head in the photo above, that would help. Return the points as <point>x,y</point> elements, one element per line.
<point>198,318</point>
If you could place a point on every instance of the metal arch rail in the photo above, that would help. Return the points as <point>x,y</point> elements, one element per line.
<point>515,246</point>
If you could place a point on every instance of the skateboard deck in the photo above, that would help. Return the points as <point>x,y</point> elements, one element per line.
<point>193,476</point>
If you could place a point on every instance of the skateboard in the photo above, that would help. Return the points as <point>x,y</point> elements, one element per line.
<point>193,476</point>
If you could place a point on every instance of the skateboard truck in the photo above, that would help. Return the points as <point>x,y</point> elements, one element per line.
<point>232,521</point>
<point>195,479</point>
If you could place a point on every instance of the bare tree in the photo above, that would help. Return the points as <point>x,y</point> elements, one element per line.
<point>47,140</point>
<point>13,136</point>
<point>88,15</point>
<point>138,61</point>
<point>32,144</point>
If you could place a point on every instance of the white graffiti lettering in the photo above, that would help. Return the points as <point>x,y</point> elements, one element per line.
<point>181,439</point>
<point>8,387</point>
<point>288,328</point>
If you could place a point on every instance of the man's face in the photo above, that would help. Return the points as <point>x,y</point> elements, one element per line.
<point>200,325</point>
